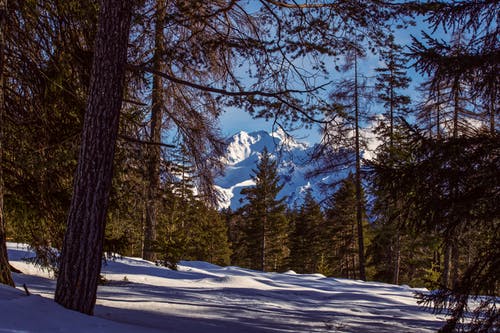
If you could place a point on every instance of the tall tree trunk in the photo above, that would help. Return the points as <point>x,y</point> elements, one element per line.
<point>81,256</point>
<point>397,245</point>
<point>397,257</point>
<point>455,251</point>
<point>154,151</point>
<point>391,110</point>
<point>359,197</point>
<point>263,249</point>
<point>5,276</point>
<point>445,278</point>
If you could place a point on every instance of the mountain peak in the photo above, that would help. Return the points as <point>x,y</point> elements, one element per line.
<point>243,145</point>
<point>242,154</point>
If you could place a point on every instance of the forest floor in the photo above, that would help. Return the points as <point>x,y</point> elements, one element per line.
<point>200,297</point>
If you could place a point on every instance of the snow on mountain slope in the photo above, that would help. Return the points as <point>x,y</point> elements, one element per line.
<point>201,297</point>
<point>243,152</point>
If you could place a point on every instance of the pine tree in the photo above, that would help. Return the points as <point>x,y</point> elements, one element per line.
<point>236,226</point>
<point>188,228</point>
<point>41,142</point>
<point>264,215</point>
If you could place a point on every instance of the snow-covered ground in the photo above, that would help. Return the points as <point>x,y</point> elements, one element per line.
<point>201,297</point>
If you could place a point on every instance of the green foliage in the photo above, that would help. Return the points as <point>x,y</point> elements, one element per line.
<point>188,228</point>
<point>446,190</point>
<point>307,246</point>
<point>48,71</point>
<point>391,78</point>
<point>264,237</point>
<point>341,230</point>
<point>192,231</point>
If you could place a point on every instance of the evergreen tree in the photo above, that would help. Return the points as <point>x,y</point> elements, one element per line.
<point>342,144</point>
<point>188,229</point>
<point>264,215</point>
<point>208,239</point>
<point>341,229</point>
<point>307,248</point>
<point>48,70</point>
<point>459,71</point>
<point>391,78</point>
<point>399,253</point>
<point>236,226</point>
<point>427,181</point>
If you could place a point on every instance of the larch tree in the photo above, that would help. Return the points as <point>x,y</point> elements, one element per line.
<point>81,254</point>
<point>5,275</point>
<point>154,150</point>
<point>391,79</point>
<point>451,71</point>
<point>342,144</point>
<point>359,198</point>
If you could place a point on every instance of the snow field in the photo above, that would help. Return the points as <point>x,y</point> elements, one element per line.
<point>201,297</point>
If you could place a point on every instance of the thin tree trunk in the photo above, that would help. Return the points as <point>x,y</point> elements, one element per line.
<point>263,253</point>
<point>81,257</point>
<point>5,275</point>
<point>391,110</point>
<point>154,154</point>
<point>455,254</point>
<point>359,199</point>
<point>397,251</point>
<point>397,258</point>
<point>446,264</point>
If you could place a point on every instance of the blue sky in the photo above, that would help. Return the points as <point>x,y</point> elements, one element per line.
<point>234,120</point>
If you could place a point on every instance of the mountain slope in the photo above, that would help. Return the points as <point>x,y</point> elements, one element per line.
<point>243,152</point>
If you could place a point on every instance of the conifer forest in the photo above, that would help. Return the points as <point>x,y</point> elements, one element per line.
<point>111,140</point>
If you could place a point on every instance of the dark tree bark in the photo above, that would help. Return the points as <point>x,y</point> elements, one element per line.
<point>5,276</point>
<point>359,195</point>
<point>82,249</point>
<point>154,151</point>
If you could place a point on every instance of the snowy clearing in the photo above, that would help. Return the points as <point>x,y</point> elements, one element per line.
<point>201,297</point>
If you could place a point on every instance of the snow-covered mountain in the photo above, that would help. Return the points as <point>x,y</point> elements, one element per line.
<point>243,153</point>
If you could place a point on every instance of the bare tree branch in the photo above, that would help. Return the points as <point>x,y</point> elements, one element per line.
<point>131,139</point>
<point>223,91</point>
